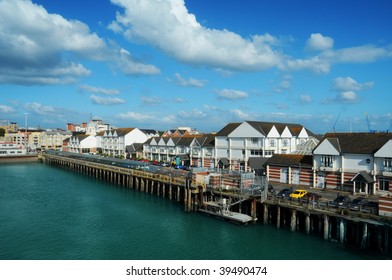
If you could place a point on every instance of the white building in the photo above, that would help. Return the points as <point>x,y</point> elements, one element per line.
<point>82,144</point>
<point>237,142</point>
<point>54,139</point>
<point>114,142</point>
<point>11,149</point>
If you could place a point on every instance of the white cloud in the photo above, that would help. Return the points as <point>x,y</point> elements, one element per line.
<point>349,84</point>
<point>362,54</point>
<point>194,114</point>
<point>99,90</point>
<point>347,97</point>
<point>132,116</point>
<point>230,94</point>
<point>238,114</point>
<point>106,101</point>
<point>318,42</point>
<point>169,26</point>
<point>151,100</point>
<point>6,109</point>
<point>37,47</point>
<point>40,109</point>
<point>190,82</point>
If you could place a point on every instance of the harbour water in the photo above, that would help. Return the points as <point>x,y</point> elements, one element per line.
<point>47,213</point>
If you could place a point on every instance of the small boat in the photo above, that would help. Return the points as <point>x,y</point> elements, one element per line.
<point>220,209</point>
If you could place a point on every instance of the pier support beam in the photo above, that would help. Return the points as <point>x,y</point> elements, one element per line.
<point>326,227</point>
<point>278,216</point>
<point>342,231</point>
<point>307,223</point>
<point>293,223</point>
<point>265,216</point>
<point>364,236</point>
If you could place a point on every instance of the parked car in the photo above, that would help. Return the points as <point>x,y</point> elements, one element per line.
<point>370,207</point>
<point>284,193</point>
<point>341,201</point>
<point>298,194</point>
<point>357,203</point>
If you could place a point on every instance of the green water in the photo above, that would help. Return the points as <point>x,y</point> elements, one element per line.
<point>47,213</point>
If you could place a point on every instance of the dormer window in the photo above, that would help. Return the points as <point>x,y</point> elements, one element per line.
<point>327,161</point>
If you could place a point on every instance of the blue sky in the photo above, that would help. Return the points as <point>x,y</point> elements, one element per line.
<point>161,64</point>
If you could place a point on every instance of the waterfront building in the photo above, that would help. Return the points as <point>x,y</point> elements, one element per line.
<point>82,144</point>
<point>290,169</point>
<point>113,142</point>
<point>20,138</point>
<point>236,143</point>
<point>53,140</point>
<point>11,149</point>
<point>134,151</point>
<point>180,132</point>
<point>202,151</point>
<point>8,126</point>
<point>168,149</point>
<point>355,162</point>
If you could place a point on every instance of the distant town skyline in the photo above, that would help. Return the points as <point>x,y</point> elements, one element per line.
<point>151,64</point>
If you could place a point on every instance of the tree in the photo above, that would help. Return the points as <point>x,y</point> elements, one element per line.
<point>2,132</point>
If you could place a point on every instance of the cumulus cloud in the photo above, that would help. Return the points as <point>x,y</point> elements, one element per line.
<point>40,109</point>
<point>190,82</point>
<point>6,109</point>
<point>37,47</point>
<point>98,90</point>
<point>137,117</point>
<point>318,42</point>
<point>347,97</point>
<point>349,84</point>
<point>169,26</point>
<point>229,94</point>
<point>194,114</point>
<point>238,114</point>
<point>106,101</point>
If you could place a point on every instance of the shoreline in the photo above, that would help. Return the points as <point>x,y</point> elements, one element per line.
<point>19,159</point>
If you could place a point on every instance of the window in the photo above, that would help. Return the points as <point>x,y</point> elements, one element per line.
<point>387,164</point>
<point>269,152</point>
<point>285,142</point>
<point>326,161</point>
<point>256,152</point>
<point>255,141</point>
<point>272,143</point>
<point>383,184</point>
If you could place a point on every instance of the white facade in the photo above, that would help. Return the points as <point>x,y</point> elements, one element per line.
<point>114,142</point>
<point>11,149</point>
<point>82,144</point>
<point>257,139</point>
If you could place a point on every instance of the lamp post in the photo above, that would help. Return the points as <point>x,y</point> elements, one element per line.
<point>26,136</point>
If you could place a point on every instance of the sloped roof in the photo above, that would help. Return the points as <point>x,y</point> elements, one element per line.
<point>134,147</point>
<point>358,143</point>
<point>291,160</point>
<point>265,127</point>
<point>229,128</point>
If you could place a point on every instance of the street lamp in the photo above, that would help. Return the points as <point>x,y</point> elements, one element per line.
<point>26,137</point>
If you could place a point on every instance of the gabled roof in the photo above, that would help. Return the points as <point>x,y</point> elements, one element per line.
<point>229,128</point>
<point>291,160</point>
<point>119,131</point>
<point>134,147</point>
<point>358,143</point>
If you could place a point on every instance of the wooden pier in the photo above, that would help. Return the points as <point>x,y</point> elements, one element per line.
<point>364,232</point>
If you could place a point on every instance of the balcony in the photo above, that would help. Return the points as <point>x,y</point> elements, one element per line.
<point>387,171</point>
